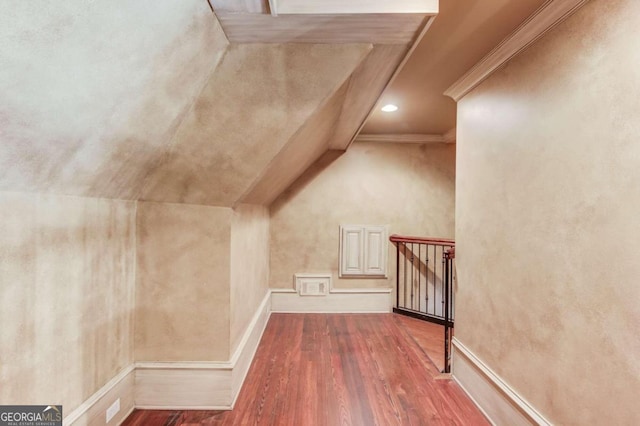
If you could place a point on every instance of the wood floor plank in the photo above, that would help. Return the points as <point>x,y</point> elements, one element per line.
<point>429,336</point>
<point>338,369</point>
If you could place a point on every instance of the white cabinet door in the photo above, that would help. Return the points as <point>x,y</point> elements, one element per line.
<point>363,251</point>
<point>351,251</point>
<point>375,243</point>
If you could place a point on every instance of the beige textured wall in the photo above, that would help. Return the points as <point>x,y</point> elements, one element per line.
<point>254,102</point>
<point>97,101</point>
<point>408,187</point>
<point>92,92</point>
<point>547,224</point>
<point>249,266</point>
<point>332,125</point>
<point>67,269</point>
<point>182,282</point>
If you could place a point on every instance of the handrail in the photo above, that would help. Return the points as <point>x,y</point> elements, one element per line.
<point>421,240</point>
<point>451,253</point>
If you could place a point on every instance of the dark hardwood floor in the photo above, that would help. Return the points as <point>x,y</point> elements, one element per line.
<point>336,369</point>
<point>429,336</point>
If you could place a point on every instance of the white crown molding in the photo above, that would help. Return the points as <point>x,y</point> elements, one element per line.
<point>545,18</point>
<point>414,138</point>
<point>395,74</point>
<point>450,136</point>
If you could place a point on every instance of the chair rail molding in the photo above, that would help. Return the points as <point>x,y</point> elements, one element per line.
<point>544,19</point>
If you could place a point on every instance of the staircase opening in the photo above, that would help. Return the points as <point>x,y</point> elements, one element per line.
<point>425,275</point>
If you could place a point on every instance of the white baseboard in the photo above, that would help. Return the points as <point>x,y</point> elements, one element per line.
<point>213,385</point>
<point>176,385</point>
<point>93,410</point>
<point>337,301</point>
<point>161,386</point>
<point>243,356</point>
<point>200,385</point>
<point>499,403</point>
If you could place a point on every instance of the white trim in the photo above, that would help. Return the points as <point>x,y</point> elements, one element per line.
<point>127,414</point>
<point>188,385</point>
<point>246,337</point>
<point>181,385</point>
<point>273,7</point>
<point>546,17</point>
<point>360,291</point>
<point>413,138</point>
<point>354,300</point>
<point>201,385</point>
<point>184,407</point>
<point>246,351</point>
<point>282,290</point>
<point>500,403</point>
<point>450,136</point>
<point>333,290</point>
<point>93,400</point>
<point>184,365</point>
<point>330,312</point>
<point>395,74</point>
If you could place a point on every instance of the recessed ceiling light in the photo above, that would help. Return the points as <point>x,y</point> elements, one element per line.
<point>389,108</point>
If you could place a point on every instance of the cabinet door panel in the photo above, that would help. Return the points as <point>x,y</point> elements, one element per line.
<point>351,251</point>
<point>375,251</point>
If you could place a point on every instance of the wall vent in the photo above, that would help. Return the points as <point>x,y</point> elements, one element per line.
<point>312,284</point>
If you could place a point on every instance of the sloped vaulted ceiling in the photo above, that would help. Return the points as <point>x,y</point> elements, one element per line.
<point>92,91</point>
<point>148,100</point>
<point>258,97</point>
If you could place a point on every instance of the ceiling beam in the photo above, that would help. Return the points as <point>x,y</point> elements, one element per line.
<point>372,28</point>
<point>338,7</point>
<point>416,41</point>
